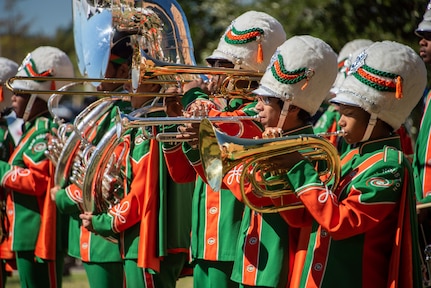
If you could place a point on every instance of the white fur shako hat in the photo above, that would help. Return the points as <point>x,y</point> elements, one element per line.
<point>8,68</point>
<point>345,59</point>
<point>387,80</point>
<point>44,61</point>
<point>250,41</point>
<point>302,71</point>
<point>425,24</point>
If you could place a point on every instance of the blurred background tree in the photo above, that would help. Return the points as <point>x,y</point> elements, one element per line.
<point>334,21</point>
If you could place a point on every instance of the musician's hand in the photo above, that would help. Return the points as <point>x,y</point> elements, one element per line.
<point>199,108</point>
<point>86,221</point>
<point>190,133</point>
<point>54,191</point>
<point>272,132</point>
<point>173,107</point>
<point>196,83</point>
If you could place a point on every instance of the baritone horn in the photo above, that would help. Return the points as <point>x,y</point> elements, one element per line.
<point>220,153</point>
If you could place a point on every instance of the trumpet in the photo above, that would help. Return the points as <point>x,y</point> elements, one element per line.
<point>220,153</point>
<point>130,122</point>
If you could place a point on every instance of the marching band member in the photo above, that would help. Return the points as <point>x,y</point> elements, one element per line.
<point>421,161</point>
<point>100,257</point>
<point>153,218</point>
<point>247,43</point>
<point>34,227</point>
<point>293,87</point>
<point>8,68</point>
<point>328,120</point>
<point>364,229</point>
<point>421,158</point>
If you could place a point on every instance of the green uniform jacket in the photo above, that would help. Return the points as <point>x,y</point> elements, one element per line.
<point>171,228</point>
<point>422,157</point>
<point>362,227</point>
<point>28,174</point>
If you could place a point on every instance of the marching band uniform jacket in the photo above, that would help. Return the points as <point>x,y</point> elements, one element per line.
<point>152,217</point>
<point>363,230</point>
<point>32,213</point>
<point>422,157</point>
<point>7,146</point>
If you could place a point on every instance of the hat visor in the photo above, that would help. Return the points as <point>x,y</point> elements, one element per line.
<point>345,98</point>
<point>423,27</point>
<point>419,32</point>
<point>216,56</point>
<point>261,91</point>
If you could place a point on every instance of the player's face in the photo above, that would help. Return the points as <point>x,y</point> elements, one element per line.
<point>269,111</point>
<point>425,47</point>
<point>19,102</point>
<point>354,121</point>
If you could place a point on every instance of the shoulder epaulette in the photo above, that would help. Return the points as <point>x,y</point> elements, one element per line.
<point>391,153</point>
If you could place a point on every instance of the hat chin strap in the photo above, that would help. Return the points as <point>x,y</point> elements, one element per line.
<point>283,114</point>
<point>28,107</point>
<point>371,124</point>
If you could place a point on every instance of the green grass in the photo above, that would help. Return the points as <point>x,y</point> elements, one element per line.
<point>79,280</point>
<point>75,280</point>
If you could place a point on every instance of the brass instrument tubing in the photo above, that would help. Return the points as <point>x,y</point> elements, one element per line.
<point>339,133</point>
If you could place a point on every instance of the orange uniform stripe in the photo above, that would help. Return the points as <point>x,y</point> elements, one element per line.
<point>212,224</point>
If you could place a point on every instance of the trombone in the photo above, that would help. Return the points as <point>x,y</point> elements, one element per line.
<point>84,81</point>
<point>228,88</point>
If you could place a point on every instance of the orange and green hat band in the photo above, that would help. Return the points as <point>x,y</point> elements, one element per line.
<point>372,78</point>
<point>341,64</point>
<point>31,70</point>
<point>287,77</point>
<point>234,36</point>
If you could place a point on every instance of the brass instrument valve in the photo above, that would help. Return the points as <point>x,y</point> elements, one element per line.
<point>272,132</point>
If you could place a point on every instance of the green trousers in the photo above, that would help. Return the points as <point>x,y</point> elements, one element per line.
<point>35,273</point>
<point>170,270</point>
<point>104,275</point>
<point>213,274</point>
